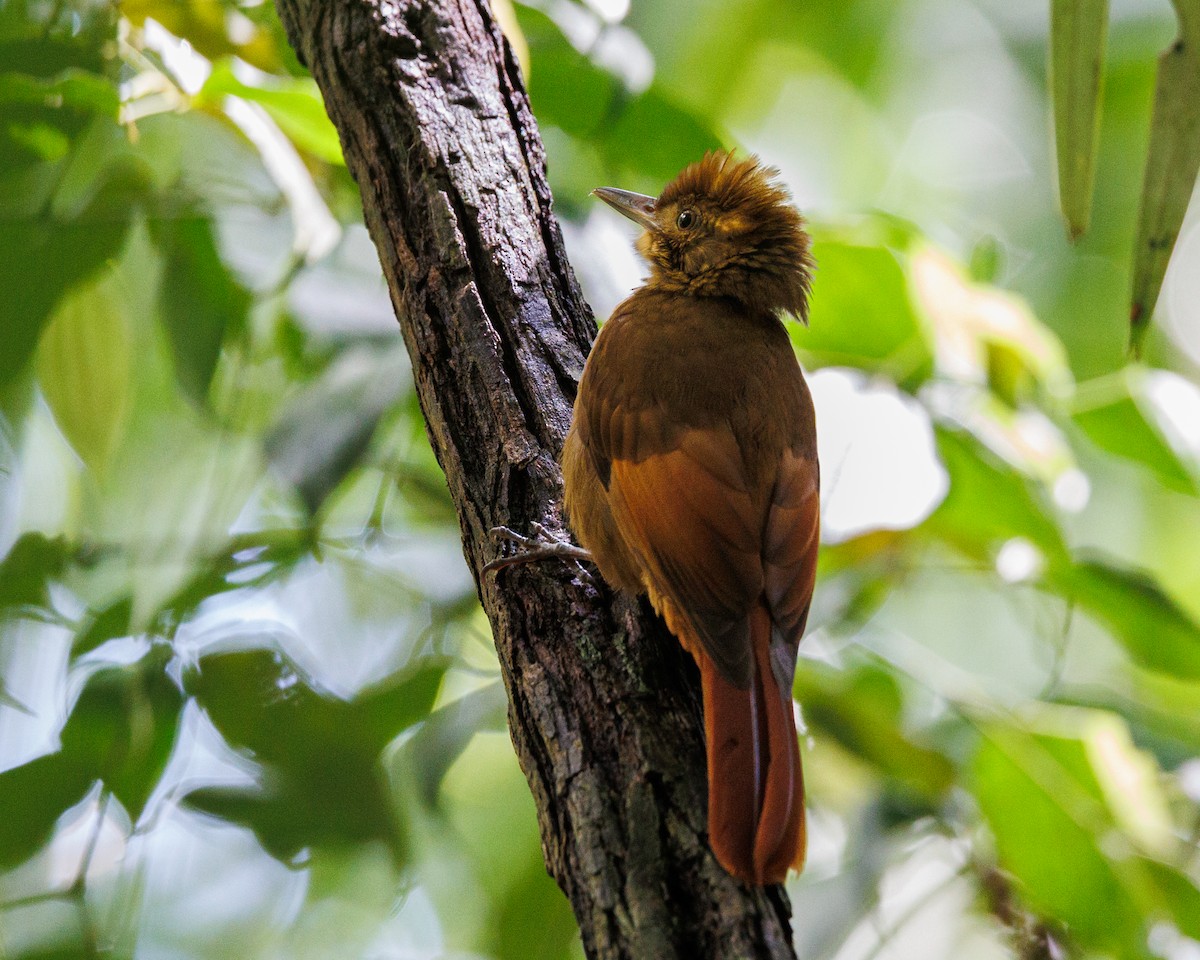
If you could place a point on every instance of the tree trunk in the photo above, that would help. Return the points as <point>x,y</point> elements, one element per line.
<point>604,706</point>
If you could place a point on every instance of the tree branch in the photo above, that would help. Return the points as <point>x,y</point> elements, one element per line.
<point>604,707</point>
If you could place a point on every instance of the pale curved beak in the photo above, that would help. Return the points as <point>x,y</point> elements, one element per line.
<point>637,207</point>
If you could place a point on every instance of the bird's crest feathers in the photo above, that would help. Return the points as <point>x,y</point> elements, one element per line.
<point>726,227</point>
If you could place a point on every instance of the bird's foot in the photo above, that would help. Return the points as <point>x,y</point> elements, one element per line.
<point>543,545</point>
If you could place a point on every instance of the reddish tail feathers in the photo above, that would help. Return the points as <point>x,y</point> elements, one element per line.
<point>755,785</point>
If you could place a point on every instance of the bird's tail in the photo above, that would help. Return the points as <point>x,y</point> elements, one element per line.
<point>755,785</point>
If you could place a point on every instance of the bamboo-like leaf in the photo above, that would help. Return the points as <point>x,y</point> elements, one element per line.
<point>1171,167</point>
<point>1077,33</point>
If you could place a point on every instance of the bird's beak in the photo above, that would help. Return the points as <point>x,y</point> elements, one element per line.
<point>635,206</point>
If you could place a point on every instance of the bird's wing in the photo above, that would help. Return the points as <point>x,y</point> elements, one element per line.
<point>790,547</point>
<point>691,516</point>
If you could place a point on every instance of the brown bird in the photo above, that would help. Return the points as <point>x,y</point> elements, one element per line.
<point>691,475</point>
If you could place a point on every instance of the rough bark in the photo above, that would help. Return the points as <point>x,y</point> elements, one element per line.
<point>604,708</point>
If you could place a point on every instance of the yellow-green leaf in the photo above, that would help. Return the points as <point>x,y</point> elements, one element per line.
<point>84,366</point>
<point>1077,33</point>
<point>1171,167</point>
<point>295,104</point>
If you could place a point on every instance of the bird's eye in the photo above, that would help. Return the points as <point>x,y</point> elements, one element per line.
<point>686,219</point>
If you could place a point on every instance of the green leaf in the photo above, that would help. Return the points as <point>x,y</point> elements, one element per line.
<point>426,757</point>
<point>261,701</point>
<point>84,365</point>
<point>322,782</point>
<point>566,89</point>
<point>44,258</point>
<point>654,137</point>
<point>857,576</point>
<point>71,90</point>
<point>860,709</point>
<point>44,141</point>
<point>644,138</point>
<point>1078,29</point>
<point>990,502</point>
<point>338,807</point>
<point>123,727</point>
<point>887,336</point>
<point>33,561</point>
<point>201,302</point>
<point>987,260</point>
<point>1117,414</point>
<point>111,622</point>
<point>103,161</point>
<point>295,104</point>
<point>1172,163</point>
<point>1042,790</point>
<point>1157,633</point>
<point>326,429</point>
<point>531,918</point>
<point>32,798</point>
<point>1178,896</point>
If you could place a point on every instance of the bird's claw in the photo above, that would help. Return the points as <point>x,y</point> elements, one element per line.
<point>543,545</point>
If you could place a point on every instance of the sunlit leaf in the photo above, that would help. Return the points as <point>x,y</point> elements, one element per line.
<point>1117,415</point>
<point>209,26</point>
<point>295,104</point>
<point>1078,29</point>
<point>1171,167</point>
<point>85,362</point>
<point>202,302</point>
<point>987,260</point>
<point>506,17</point>
<point>984,333</point>
<point>1152,627</point>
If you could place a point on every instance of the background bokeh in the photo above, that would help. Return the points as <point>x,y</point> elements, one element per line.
<point>249,705</point>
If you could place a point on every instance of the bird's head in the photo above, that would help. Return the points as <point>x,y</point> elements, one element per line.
<point>724,227</point>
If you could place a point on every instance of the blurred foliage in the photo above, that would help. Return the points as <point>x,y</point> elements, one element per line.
<point>248,701</point>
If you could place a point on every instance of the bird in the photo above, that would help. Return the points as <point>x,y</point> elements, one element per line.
<point>690,475</point>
